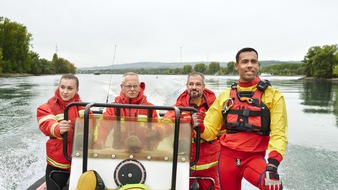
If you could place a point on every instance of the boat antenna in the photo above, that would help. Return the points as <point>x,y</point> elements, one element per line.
<point>181,63</point>
<point>111,74</point>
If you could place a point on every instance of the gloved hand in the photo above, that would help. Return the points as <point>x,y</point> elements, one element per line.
<point>133,144</point>
<point>152,134</point>
<point>271,179</point>
<point>197,121</point>
<point>99,145</point>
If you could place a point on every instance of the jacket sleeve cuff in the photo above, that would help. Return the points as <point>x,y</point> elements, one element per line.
<point>273,162</point>
<point>57,132</point>
<point>275,158</point>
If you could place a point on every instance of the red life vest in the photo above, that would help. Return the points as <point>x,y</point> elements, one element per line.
<point>245,111</point>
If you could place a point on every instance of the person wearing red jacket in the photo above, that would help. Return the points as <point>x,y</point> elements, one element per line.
<point>201,98</point>
<point>51,121</point>
<point>255,120</point>
<point>133,129</point>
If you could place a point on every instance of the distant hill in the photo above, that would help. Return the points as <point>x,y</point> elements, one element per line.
<point>154,65</point>
<point>145,65</point>
<point>273,62</point>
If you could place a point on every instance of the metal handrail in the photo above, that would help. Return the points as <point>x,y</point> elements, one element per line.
<point>65,134</point>
<point>177,110</point>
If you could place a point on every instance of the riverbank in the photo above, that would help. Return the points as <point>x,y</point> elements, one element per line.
<point>317,79</point>
<point>15,75</point>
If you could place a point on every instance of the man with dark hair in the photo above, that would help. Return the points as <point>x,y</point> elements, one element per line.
<point>255,119</point>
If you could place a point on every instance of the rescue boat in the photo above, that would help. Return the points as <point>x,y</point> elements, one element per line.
<point>128,158</point>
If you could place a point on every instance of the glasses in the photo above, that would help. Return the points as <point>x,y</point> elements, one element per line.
<point>131,86</point>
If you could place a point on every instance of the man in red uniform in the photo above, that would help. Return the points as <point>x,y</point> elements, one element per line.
<point>201,98</point>
<point>255,119</point>
<point>51,121</point>
<point>132,92</point>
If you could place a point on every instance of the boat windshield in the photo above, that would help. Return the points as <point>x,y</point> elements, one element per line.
<point>132,138</point>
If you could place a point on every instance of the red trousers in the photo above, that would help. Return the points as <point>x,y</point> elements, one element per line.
<point>206,184</point>
<point>234,165</point>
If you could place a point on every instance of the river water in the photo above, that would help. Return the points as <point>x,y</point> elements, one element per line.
<point>311,160</point>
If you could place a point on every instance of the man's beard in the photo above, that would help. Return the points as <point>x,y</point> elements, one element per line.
<point>195,94</point>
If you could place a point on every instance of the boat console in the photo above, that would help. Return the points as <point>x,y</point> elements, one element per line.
<point>127,154</point>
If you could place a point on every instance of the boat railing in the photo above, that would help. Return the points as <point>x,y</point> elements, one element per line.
<point>89,113</point>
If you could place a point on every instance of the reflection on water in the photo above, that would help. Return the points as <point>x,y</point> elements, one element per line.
<point>321,97</point>
<point>310,161</point>
<point>318,97</point>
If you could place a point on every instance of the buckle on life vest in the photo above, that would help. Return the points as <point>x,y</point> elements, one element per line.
<point>228,104</point>
<point>234,85</point>
<point>263,84</point>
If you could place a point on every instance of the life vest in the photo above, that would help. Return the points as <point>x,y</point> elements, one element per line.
<point>245,111</point>
<point>188,115</point>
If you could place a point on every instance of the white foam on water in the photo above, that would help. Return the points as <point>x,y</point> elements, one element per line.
<point>22,165</point>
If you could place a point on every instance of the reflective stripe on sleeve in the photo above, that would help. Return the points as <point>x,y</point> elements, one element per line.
<point>47,117</point>
<point>203,166</point>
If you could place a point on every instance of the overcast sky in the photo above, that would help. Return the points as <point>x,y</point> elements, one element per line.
<point>86,32</point>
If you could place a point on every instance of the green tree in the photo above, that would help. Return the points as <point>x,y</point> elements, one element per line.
<point>62,65</point>
<point>0,61</point>
<point>306,64</point>
<point>187,69</point>
<point>320,62</point>
<point>15,43</point>
<point>56,63</point>
<point>178,71</point>
<point>287,69</point>
<point>200,67</point>
<point>36,67</point>
<point>47,67</point>
<point>231,68</point>
<point>214,68</point>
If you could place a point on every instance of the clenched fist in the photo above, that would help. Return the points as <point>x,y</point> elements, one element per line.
<point>64,126</point>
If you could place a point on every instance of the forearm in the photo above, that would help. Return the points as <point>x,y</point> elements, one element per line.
<point>279,126</point>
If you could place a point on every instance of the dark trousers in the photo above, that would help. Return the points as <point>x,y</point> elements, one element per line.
<point>56,178</point>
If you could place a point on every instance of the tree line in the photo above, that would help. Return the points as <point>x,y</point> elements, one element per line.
<point>16,56</point>
<point>319,62</point>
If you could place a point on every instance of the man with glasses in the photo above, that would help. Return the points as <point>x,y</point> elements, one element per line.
<point>133,135</point>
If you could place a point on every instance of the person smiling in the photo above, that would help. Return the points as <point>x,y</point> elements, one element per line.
<point>255,119</point>
<point>198,96</point>
<point>51,121</point>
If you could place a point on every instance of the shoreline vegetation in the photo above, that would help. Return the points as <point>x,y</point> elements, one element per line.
<point>15,74</point>
<point>317,79</point>
<point>26,75</point>
<point>16,56</point>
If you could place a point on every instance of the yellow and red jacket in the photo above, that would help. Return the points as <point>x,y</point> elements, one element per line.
<point>49,115</point>
<point>250,141</point>
<point>209,149</point>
